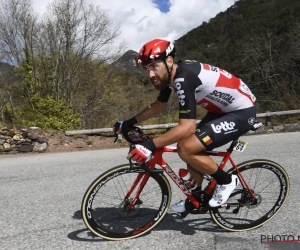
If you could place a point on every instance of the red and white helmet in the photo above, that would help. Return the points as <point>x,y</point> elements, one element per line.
<point>156,49</point>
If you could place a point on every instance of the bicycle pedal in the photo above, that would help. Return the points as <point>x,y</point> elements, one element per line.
<point>184,214</point>
<point>204,209</point>
<point>201,210</point>
<point>236,210</point>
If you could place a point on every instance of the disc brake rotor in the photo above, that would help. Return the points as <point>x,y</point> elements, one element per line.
<point>124,208</point>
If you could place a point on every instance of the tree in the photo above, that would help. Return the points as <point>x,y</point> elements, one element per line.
<point>17,29</point>
<point>72,33</point>
<point>271,70</point>
<point>17,32</point>
<point>53,55</point>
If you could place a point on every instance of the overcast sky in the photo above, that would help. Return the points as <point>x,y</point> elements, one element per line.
<point>143,20</point>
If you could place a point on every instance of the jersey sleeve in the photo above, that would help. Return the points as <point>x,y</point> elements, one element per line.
<point>164,95</point>
<point>185,84</point>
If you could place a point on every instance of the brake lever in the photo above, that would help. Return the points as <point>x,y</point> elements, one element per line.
<point>151,170</point>
<point>146,168</point>
<point>116,137</point>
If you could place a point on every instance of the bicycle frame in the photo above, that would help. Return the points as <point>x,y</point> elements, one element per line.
<point>159,160</point>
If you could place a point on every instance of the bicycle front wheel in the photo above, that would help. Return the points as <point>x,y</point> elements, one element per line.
<point>105,205</point>
<point>270,184</point>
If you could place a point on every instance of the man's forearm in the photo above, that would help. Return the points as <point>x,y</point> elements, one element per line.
<point>152,110</point>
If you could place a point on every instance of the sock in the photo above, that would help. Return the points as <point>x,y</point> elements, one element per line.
<point>221,177</point>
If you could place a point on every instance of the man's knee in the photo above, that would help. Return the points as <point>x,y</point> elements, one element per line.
<point>187,148</point>
<point>182,150</point>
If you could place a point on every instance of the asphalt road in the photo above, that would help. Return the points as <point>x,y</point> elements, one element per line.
<point>40,198</point>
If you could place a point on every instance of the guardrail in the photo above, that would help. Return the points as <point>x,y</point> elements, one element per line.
<point>266,115</point>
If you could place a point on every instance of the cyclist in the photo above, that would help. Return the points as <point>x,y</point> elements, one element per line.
<point>228,100</point>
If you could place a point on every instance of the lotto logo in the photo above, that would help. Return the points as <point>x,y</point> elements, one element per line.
<point>180,92</point>
<point>223,126</point>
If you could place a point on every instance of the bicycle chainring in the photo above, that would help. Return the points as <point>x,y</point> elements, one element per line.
<point>202,197</point>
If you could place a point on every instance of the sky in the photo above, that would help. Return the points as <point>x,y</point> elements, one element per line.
<point>143,20</point>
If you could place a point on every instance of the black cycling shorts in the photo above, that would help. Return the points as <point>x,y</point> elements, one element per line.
<point>215,130</point>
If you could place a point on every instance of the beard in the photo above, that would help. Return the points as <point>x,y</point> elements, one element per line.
<point>164,82</point>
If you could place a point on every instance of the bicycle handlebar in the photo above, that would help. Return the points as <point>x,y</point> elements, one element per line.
<point>147,169</point>
<point>135,135</point>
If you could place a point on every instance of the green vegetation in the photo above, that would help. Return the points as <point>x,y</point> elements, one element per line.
<point>48,113</point>
<point>58,83</point>
<point>257,40</point>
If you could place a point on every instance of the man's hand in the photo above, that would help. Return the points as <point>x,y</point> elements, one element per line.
<point>142,152</point>
<point>119,126</point>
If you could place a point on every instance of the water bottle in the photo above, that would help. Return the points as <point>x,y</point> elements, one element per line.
<point>187,179</point>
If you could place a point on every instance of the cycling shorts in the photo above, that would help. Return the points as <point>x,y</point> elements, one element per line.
<point>215,130</point>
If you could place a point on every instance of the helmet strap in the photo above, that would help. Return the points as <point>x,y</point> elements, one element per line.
<point>169,72</point>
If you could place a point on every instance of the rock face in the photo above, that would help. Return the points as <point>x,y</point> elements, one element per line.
<point>22,141</point>
<point>127,61</point>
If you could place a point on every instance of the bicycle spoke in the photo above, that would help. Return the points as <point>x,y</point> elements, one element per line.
<point>270,183</point>
<point>109,211</point>
<point>265,179</point>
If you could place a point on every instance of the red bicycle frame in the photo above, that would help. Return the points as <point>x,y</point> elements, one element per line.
<point>157,159</point>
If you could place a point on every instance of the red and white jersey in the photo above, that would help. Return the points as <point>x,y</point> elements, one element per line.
<point>222,92</point>
<point>208,86</point>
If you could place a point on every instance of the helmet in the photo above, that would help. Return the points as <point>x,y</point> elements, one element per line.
<point>156,49</point>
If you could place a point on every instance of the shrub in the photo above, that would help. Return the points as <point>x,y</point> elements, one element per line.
<point>48,113</point>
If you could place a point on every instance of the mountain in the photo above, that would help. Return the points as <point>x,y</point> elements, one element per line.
<point>256,40</point>
<point>127,61</point>
<point>223,39</point>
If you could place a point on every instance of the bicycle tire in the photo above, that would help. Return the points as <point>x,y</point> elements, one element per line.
<point>266,168</point>
<point>103,204</point>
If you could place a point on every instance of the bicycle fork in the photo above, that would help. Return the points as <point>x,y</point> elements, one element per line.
<point>141,179</point>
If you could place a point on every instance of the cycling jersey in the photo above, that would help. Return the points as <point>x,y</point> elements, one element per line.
<point>210,87</point>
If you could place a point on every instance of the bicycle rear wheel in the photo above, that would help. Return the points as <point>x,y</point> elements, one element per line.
<point>269,183</point>
<point>105,210</point>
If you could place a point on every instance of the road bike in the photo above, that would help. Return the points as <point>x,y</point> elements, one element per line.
<point>129,200</point>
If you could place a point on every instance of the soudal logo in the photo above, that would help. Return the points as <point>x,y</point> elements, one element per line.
<point>227,97</point>
<point>228,127</point>
<point>180,92</point>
